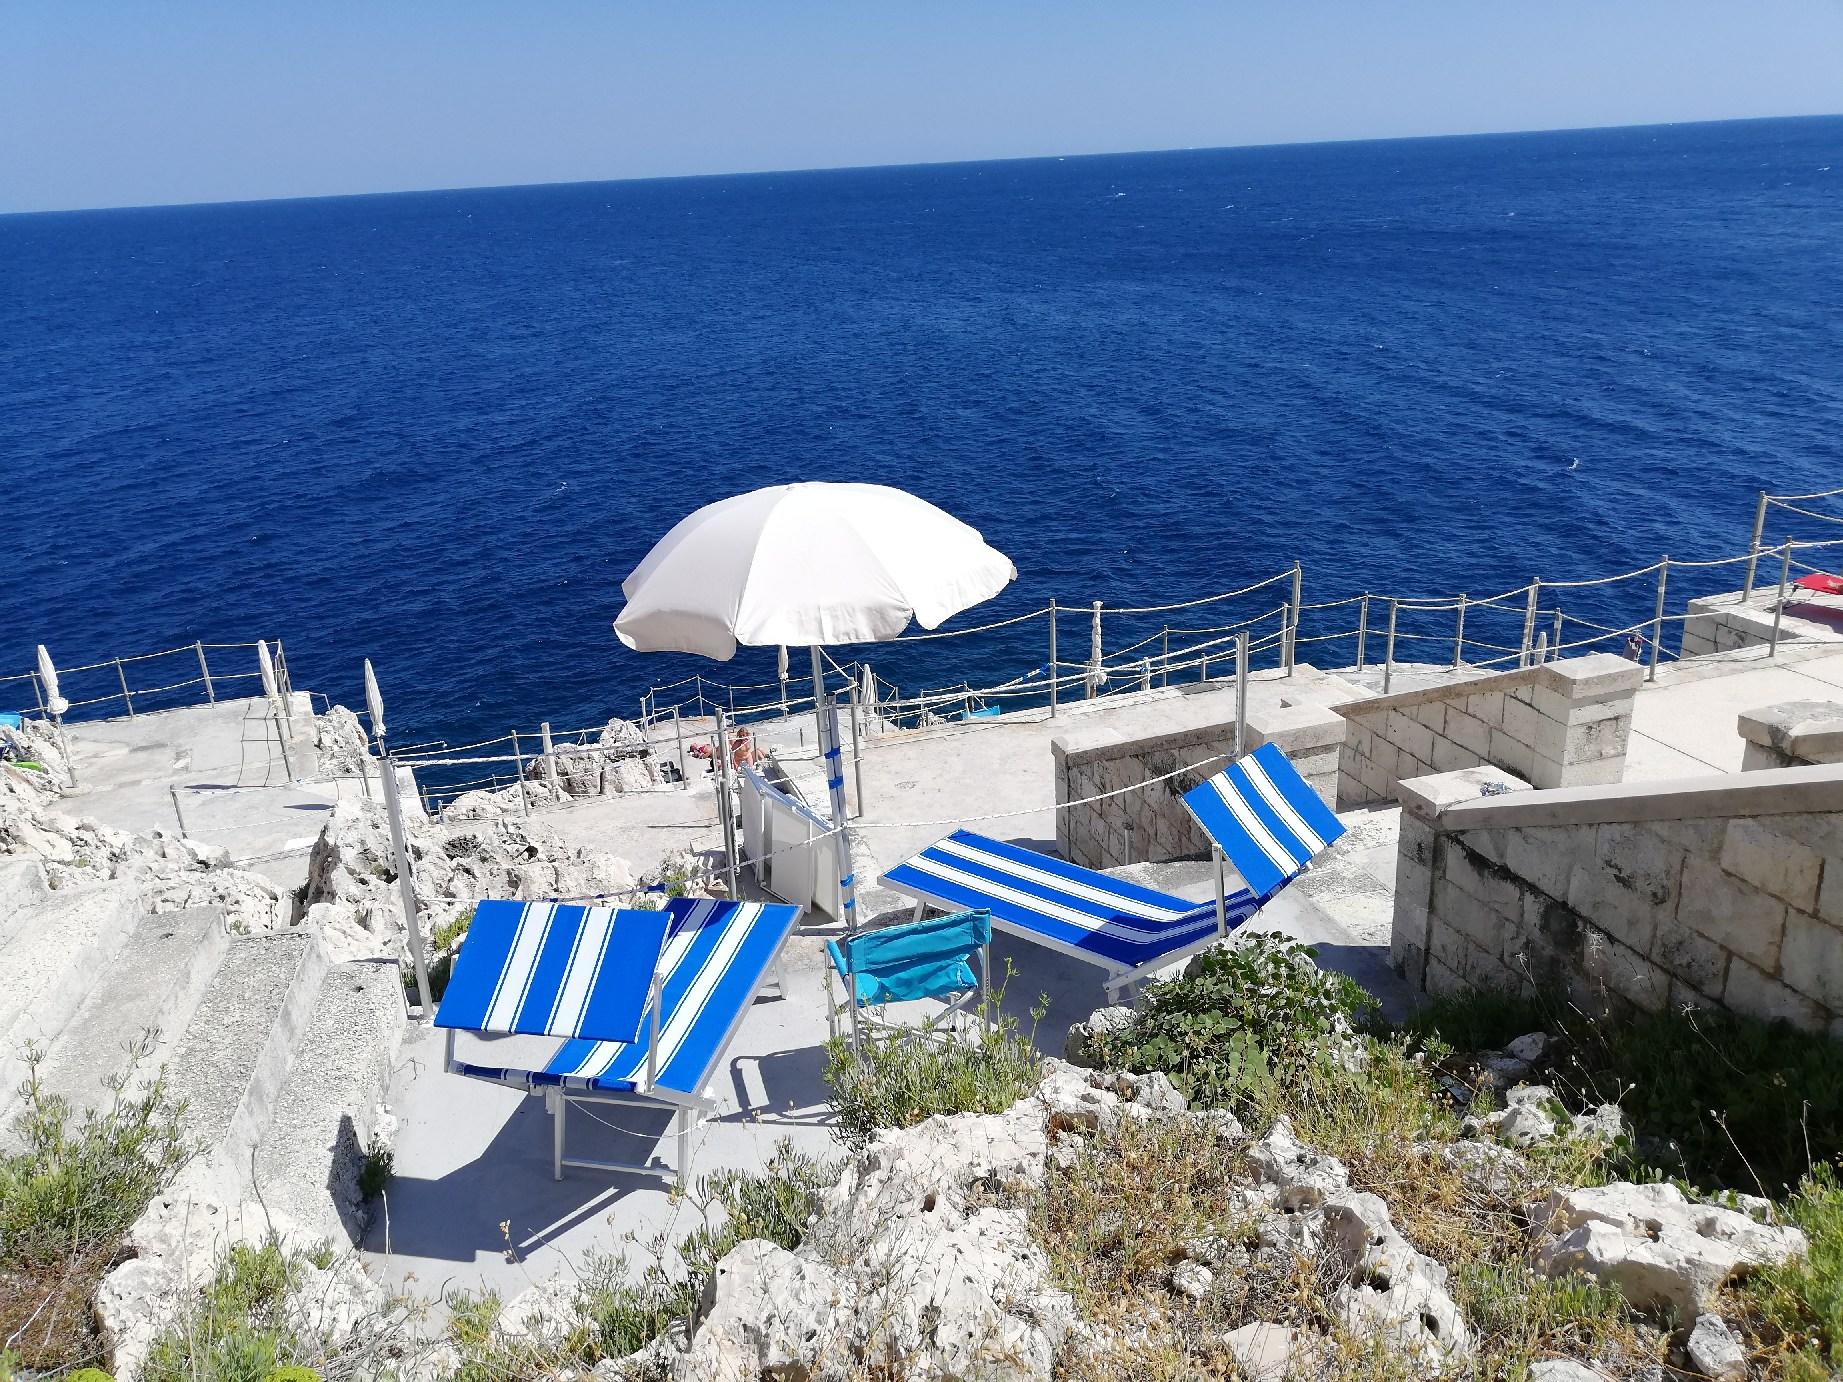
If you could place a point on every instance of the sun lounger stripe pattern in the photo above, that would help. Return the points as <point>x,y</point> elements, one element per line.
<point>1115,923</point>
<point>547,969</point>
<point>1264,817</point>
<point>713,962</point>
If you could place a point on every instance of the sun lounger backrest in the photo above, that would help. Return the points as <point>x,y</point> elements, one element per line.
<point>1262,814</point>
<point>920,959</point>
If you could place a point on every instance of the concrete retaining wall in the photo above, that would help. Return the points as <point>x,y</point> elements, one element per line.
<point>1723,891</point>
<point>1792,734</point>
<point>1721,623</point>
<point>1140,745</point>
<point>1559,724</point>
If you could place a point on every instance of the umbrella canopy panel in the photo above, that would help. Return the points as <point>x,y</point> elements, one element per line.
<point>806,565</point>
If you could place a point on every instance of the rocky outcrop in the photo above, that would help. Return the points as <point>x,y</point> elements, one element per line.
<point>1533,1115</point>
<point>351,893</point>
<point>1660,1249</point>
<point>341,748</point>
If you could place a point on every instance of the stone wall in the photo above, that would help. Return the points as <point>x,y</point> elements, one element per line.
<point>1143,743</point>
<point>1792,734</point>
<point>1722,623</point>
<point>1722,891</point>
<point>1558,724</point>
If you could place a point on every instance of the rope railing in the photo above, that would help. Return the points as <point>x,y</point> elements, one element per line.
<point>139,700</point>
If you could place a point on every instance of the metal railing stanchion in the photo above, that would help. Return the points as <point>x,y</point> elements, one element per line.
<point>1529,621</point>
<point>1388,654</point>
<point>1657,617</point>
<point>550,757</point>
<point>857,756</point>
<point>1785,576</point>
<point>524,797</point>
<point>1292,622</point>
<point>1753,550</point>
<point>123,678</point>
<point>1362,627</point>
<point>678,744</point>
<point>1053,678</point>
<point>204,670</point>
<point>1459,635</point>
<point>1241,693</point>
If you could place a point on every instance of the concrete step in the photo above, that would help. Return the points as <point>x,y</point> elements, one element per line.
<point>308,1162</point>
<point>23,889</point>
<point>235,1053</point>
<point>153,985</point>
<point>51,961</point>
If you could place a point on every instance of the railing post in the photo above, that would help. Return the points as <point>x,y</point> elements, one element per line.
<point>1388,650</point>
<point>550,756</point>
<point>524,798</point>
<point>1292,623</point>
<point>1097,655</point>
<point>287,681</point>
<point>1164,656</point>
<point>1362,627</point>
<point>1241,693</point>
<point>1145,674</point>
<point>38,691</point>
<point>857,757</point>
<point>178,815</point>
<point>726,816</point>
<point>678,743</point>
<point>204,670</point>
<point>1053,678</point>
<point>1559,642</point>
<point>1459,636</point>
<point>1529,621</point>
<point>1753,550</point>
<point>1657,617</point>
<point>122,677</point>
<point>1785,576</point>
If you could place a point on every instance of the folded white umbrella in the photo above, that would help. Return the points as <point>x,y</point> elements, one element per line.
<point>806,565</point>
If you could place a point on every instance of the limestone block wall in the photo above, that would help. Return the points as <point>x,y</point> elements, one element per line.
<point>1724,891</point>
<point>1792,734</point>
<point>1722,623</point>
<point>1557,724</point>
<point>1141,745</point>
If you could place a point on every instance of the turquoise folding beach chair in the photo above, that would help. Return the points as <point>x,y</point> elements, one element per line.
<point>942,958</point>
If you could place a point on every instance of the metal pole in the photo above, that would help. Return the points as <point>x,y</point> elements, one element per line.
<point>1388,652</point>
<point>178,815</point>
<point>122,677</point>
<point>1785,576</point>
<point>720,750</point>
<point>1099,658</point>
<point>1753,550</point>
<point>1657,617</point>
<point>857,757</point>
<point>678,742</point>
<point>550,756</point>
<point>1556,649</point>
<point>1164,657</point>
<point>524,798</point>
<point>1529,622</point>
<point>287,682</point>
<point>829,756</point>
<point>1052,658</point>
<point>1459,636</point>
<point>1292,632</point>
<point>204,670</point>
<point>406,886</point>
<point>1362,628</point>
<point>1241,693</point>
<point>38,691</point>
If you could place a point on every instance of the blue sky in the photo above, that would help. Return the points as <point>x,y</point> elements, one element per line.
<point>112,104</point>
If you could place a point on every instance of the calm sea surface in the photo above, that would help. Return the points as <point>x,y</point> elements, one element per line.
<point>438,429</point>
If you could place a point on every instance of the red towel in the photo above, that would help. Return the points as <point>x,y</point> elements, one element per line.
<point>1820,582</point>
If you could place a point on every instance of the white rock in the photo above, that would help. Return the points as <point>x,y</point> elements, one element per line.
<point>1303,1177</point>
<point>1393,1291</point>
<point>1660,1250</point>
<point>1192,1279</point>
<point>1529,1048</point>
<point>1563,1370</point>
<point>1264,1352</point>
<point>769,1313</point>
<point>1715,1352</point>
<point>1524,1125</point>
<point>1485,1166</point>
<point>1076,1049</point>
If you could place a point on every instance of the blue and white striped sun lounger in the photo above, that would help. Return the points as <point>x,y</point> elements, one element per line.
<point>646,1002</point>
<point>1126,930</point>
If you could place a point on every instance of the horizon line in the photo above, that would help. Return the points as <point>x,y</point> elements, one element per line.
<point>923,163</point>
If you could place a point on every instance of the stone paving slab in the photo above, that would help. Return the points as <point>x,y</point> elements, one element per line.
<point>51,961</point>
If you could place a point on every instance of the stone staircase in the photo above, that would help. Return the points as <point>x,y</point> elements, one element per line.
<point>281,1060</point>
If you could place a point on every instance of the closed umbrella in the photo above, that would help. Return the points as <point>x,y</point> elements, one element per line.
<point>812,564</point>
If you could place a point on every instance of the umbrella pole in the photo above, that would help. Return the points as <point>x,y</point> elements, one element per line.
<point>832,762</point>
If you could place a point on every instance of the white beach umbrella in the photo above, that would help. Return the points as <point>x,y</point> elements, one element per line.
<point>806,565</point>
<point>813,564</point>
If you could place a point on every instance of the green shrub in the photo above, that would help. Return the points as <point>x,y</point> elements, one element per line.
<point>236,1331</point>
<point>1799,1303</point>
<point>896,1079</point>
<point>1239,1018</point>
<point>379,1166</point>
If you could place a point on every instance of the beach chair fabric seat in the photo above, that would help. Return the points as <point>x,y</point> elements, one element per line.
<point>1264,817</point>
<point>921,959</point>
<point>714,959</point>
<point>1105,920</point>
<point>1259,813</point>
<point>550,969</point>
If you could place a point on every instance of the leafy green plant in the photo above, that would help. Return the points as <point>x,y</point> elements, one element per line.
<point>235,1331</point>
<point>1799,1304</point>
<point>70,1187</point>
<point>1239,1018</point>
<point>379,1165</point>
<point>449,932</point>
<point>895,1079</point>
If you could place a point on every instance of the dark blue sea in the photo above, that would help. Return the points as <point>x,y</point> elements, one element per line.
<point>438,429</point>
